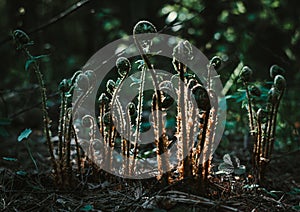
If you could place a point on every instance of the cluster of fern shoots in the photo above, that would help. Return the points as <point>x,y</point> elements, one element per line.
<point>62,157</point>
<point>192,134</point>
<point>263,120</point>
<point>194,128</point>
<point>192,131</point>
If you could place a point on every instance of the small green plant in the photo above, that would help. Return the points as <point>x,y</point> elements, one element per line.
<point>61,165</point>
<point>231,165</point>
<point>24,136</point>
<point>22,42</point>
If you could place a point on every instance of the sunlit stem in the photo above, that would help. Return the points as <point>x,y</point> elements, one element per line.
<point>211,134</point>
<point>68,136</point>
<point>101,114</point>
<point>140,112</point>
<point>250,110</point>
<point>159,134</point>
<point>258,150</point>
<point>77,152</point>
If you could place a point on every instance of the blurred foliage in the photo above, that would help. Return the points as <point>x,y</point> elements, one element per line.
<point>257,33</point>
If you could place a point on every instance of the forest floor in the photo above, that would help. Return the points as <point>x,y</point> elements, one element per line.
<point>23,188</point>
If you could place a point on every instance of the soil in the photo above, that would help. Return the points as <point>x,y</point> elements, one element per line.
<point>23,188</point>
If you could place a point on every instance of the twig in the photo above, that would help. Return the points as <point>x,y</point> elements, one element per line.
<point>53,20</point>
<point>185,198</point>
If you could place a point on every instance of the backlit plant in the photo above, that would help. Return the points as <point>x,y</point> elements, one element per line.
<point>188,131</point>
<point>263,120</point>
<point>177,123</point>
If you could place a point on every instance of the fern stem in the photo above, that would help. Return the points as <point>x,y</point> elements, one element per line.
<point>274,124</point>
<point>61,124</point>
<point>46,119</point>
<point>269,130</point>
<point>250,111</point>
<point>157,99</point>
<point>68,141</point>
<point>77,151</point>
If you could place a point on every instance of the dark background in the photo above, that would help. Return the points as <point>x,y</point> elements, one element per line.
<point>258,33</point>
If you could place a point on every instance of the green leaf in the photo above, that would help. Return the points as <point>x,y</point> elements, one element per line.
<point>295,191</point>
<point>28,63</point>
<point>242,97</point>
<point>33,60</point>
<point>234,96</point>
<point>296,207</point>
<point>240,170</point>
<point>226,168</point>
<point>9,159</point>
<point>24,134</point>
<point>21,173</point>
<point>193,75</point>
<point>41,57</point>
<point>87,208</point>
<point>220,172</point>
<point>147,153</point>
<point>252,186</point>
<point>271,193</point>
<point>145,126</point>
<point>68,94</point>
<point>244,104</point>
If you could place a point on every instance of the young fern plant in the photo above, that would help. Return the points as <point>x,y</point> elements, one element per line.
<point>61,165</point>
<point>263,122</point>
<point>211,118</point>
<point>112,114</point>
<point>245,77</point>
<point>196,162</point>
<point>64,174</point>
<point>208,109</point>
<point>161,141</point>
<point>183,49</point>
<point>22,42</point>
<point>123,65</point>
